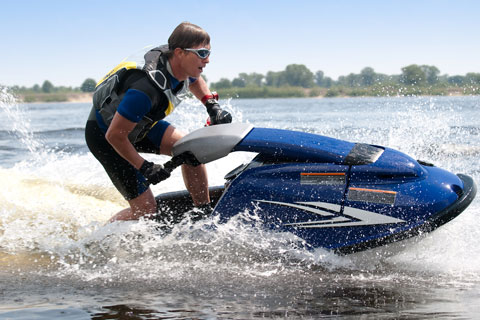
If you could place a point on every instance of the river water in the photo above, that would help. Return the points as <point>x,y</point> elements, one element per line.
<point>59,260</point>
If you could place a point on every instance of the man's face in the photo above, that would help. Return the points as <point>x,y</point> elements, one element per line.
<point>192,65</point>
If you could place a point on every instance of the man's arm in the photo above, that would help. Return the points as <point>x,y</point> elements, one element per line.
<point>199,88</point>
<point>117,136</point>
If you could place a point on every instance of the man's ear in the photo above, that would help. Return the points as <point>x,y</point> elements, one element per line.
<point>178,51</point>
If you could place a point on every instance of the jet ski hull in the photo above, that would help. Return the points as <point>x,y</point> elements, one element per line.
<point>342,196</point>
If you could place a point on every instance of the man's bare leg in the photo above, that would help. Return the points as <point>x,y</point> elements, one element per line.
<point>196,181</point>
<point>195,178</point>
<point>142,205</point>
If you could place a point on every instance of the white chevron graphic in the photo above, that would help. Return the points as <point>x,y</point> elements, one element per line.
<point>324,209</point>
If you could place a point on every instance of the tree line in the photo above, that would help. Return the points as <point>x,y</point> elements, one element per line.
<point>47,92</point>
<point>298,81</point>
<point>298,75</point>
<point>47,87</point>
<point>416,79</point>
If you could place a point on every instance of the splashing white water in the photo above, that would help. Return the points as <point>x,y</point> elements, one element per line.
<point>20,123</point>
<point>55,205</point>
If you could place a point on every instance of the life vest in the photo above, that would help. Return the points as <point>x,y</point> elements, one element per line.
<point>153,63</point>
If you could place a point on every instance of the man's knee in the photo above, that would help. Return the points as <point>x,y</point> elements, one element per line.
<point>144,203</point>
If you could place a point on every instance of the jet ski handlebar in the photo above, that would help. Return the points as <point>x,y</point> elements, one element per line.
<point>207,144</point>
<point>178,160</point>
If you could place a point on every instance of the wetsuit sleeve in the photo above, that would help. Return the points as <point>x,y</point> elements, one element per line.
<point>134,105</point>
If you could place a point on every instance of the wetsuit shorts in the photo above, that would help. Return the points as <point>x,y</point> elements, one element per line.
<point>128,180</point>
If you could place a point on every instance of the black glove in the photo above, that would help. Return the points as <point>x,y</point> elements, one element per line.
<point>217,115</point>
<point>154,173</point>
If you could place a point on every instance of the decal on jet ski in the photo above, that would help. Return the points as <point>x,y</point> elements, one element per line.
<point>351,217</point>
<point>322,178</point>
<point>372,195</point>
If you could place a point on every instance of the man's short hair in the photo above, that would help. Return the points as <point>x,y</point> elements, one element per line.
<point>187,35</point>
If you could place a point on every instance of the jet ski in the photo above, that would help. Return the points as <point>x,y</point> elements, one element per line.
<point>342,196</point>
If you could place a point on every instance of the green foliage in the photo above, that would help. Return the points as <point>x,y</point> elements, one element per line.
<point>297,81</point>
<point>322,81</point>
<point>276,79</point>
<point>45,97</point>
<point>244,80</point>
<point>335,92</point>
<point>319,78</point>
<point>299,75</point>
<point>239,83</point>
<point>295,75</point>
<point>47,87</point>
<point>472,78</point>
<point>261,92</point>
<point>88,85</point>
<point>45,93</point>
<point>316,92</point>
<point>413,75</point>
<point>223,84</point>
<point>456,80</point>
<point>471,90</point>
<point>431,74</point>
<point>367,77</point>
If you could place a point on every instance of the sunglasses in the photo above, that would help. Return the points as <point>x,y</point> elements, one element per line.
<point>202,53</point>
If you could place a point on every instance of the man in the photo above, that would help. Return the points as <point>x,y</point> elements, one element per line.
<point>129,104</point>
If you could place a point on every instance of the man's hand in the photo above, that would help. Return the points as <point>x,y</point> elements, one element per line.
<point>217,115</point>
<point>154,173</point>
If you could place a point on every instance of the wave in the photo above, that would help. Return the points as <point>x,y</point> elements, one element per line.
<point>39,213</point>
<point>53,217</point>
<point>55,202</point>
<point>8,148</point>
<point>61,131</point>
<point>73,129</point>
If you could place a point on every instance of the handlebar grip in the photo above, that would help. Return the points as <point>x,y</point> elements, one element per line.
<point>184,158</point>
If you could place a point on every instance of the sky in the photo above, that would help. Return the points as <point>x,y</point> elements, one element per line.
<point>68,41</point>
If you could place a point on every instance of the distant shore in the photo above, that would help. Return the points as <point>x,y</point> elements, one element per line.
<point>73,97</point>
<point>343,91</point>
<point>259,93</point>
<point>80,97</point>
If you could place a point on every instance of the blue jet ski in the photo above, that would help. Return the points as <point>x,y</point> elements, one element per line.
<point>342,196</point>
